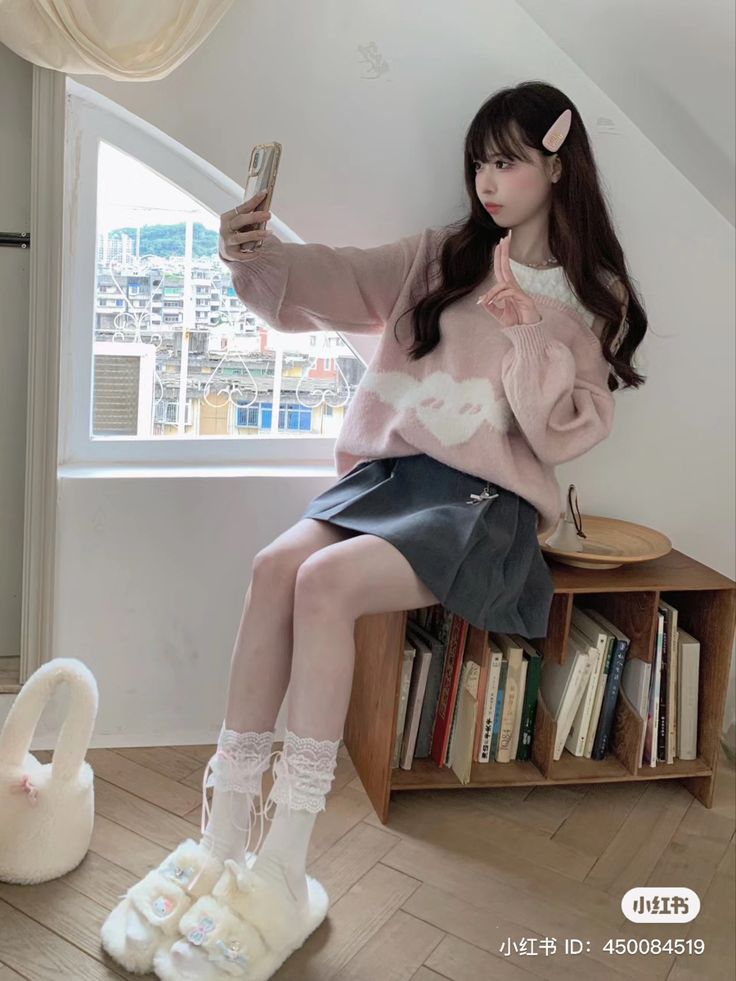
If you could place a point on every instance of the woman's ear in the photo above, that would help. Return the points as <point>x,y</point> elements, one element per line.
<point>555,168</point>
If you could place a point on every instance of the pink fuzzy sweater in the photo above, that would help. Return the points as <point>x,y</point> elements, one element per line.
<point>503,403</point>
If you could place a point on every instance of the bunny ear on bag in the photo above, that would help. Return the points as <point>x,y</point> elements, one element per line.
<point>25,712</point>
<point>555,135</point>
<point>52,837</point>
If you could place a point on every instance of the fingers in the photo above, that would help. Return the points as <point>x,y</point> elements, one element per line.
<point>499,295</point>
<point>246,220</point>
<point>238,226</point>
<point>244,214</point>
<point>502,270</point>
<point>505,260</point>
<point>239,237</point>
<point>232,244</point>
<point>246,206</point>
<point>497,263</point>
<point>494,292</point>
<point>501,290</point>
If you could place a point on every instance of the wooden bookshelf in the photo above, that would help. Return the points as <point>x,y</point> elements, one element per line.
<point>628,596</point>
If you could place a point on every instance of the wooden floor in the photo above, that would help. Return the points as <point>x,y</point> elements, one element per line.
<point>437,893</point>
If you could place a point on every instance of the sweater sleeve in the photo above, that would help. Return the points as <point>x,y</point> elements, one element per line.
<point>560,399</point>
<point>305,287</point>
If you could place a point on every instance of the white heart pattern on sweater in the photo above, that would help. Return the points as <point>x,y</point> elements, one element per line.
<point>451,410</point>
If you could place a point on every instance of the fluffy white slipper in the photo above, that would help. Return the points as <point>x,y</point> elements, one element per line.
<point>247,927</point>
<point>149,913</point>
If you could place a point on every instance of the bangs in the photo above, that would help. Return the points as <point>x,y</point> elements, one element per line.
<point>494,134</point>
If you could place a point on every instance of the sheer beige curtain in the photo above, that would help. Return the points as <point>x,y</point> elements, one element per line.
<point>133,40</point>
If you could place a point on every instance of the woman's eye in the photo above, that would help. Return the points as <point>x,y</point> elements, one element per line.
<point>476,163</point>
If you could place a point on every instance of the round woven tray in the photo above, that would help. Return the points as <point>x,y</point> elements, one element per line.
<point>610,543</point>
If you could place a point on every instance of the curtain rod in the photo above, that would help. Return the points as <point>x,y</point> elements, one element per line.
<point>20,240</point>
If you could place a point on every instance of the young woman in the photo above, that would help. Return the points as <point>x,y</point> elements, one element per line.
<point>502,340</point>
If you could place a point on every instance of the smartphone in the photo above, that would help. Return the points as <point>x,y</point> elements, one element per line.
<point>262,170</point>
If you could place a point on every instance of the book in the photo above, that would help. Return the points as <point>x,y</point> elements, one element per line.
<point>608,709</point>
<point>600,692</point>
<point>513,654</point>
<point>575,742</point>
<point>456,629</point>
<point>450,752</point>
<point>596,637</point>
<point>650,740</point>
<point>531,696</point>
<point>490,702</point>
<point>671,630</point>
<point>613,683</point>
<point>418,617</point>
<point>462,753</point>
<point>689,680</point>
<point>519,708</point>
<point>483,658</point>
<point>662,720</point>
<point>404,685</point>
<point>610,698</point>
<point>417,692</point>
<point>562,687</point>
<point>635,682</point>
<point>498,710</point>
<point>635,685</point>
<point>508,708</point>
<point>431,694</point>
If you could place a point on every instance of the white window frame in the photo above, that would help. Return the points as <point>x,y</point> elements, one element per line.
<point>92,118</point>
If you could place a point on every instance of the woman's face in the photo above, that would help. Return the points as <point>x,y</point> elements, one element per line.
<point>522,189</point>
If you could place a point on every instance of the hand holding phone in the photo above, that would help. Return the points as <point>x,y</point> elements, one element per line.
<point>238,227</point>
<point>262,170</point>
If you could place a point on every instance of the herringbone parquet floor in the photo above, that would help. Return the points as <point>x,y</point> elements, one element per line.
<point>437,893</point>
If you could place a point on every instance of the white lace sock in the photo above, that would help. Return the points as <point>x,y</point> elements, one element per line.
<point>303,773</point>
<point>237,769</point>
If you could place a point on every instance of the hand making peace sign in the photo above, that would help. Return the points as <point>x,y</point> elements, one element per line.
<point>507,301</point>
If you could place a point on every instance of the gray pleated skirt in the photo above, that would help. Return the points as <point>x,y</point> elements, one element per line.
<point>479,556</point>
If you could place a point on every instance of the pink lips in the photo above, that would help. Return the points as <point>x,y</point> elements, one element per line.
<point>494,207</point>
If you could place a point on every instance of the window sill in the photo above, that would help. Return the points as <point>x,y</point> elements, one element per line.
<point>268,469</point>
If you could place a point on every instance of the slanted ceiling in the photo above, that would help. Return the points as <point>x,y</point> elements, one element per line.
<point>669,66</point>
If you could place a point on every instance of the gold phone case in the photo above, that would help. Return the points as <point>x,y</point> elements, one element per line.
<point>262,170</point>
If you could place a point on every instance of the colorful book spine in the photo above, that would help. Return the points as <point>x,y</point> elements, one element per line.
<point>529,709</point>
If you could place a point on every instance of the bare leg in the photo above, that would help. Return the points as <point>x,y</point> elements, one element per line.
<point>333,588</point>
<point>259,675</point>
<point>261,660</point>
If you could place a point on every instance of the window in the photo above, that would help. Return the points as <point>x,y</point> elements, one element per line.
<point>162,360</point>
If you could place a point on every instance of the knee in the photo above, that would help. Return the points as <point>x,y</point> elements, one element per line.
<point>322,585</point>
<point>274,567</point>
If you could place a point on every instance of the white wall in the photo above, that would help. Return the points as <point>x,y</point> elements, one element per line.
<point>152,605</point>
<point>670,72</point>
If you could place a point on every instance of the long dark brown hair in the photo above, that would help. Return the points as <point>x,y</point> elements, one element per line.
<point>580,233</point>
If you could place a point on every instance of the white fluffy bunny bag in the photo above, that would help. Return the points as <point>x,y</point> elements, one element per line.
<point>47,810</point>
